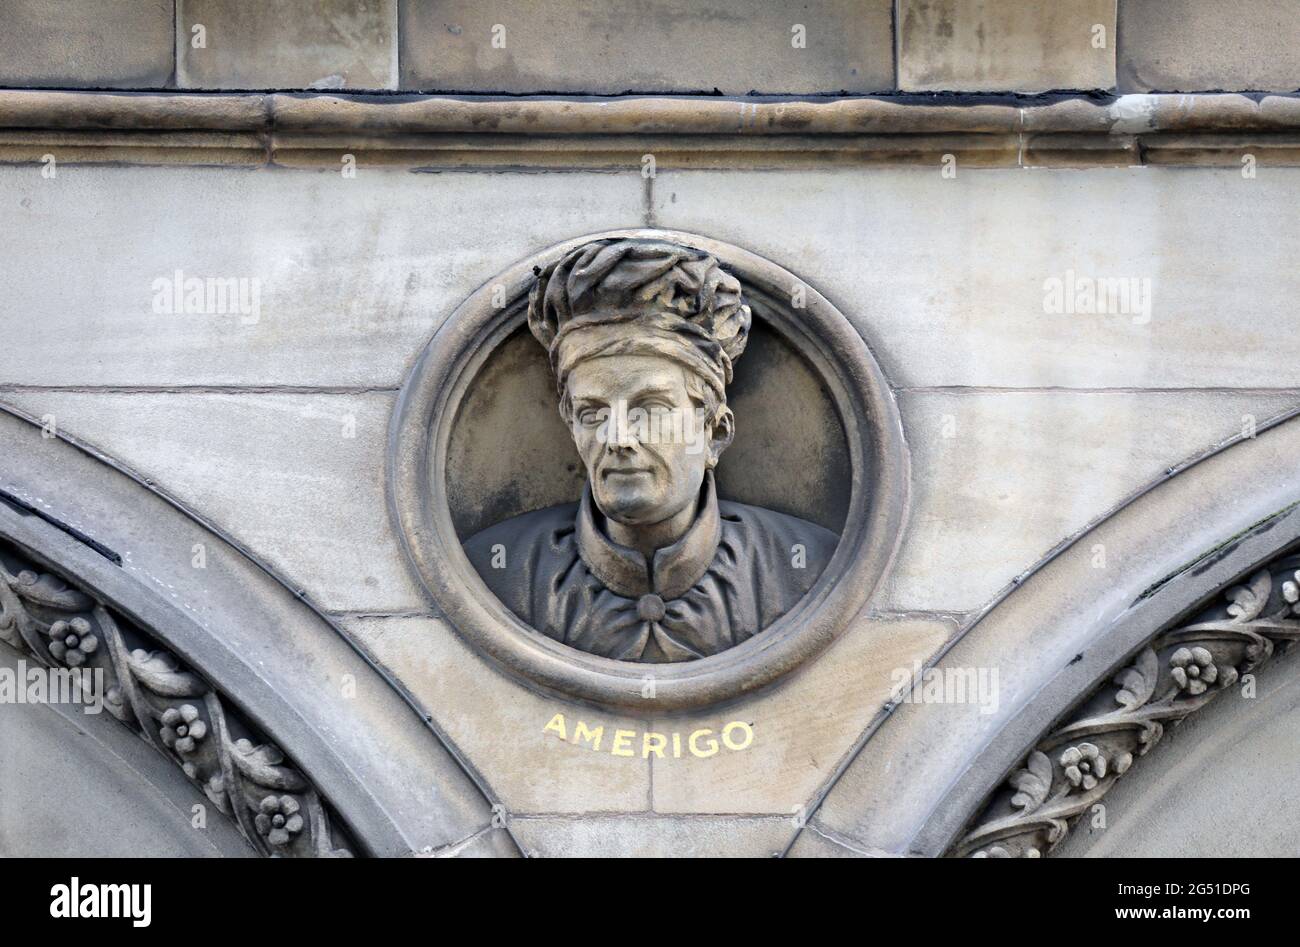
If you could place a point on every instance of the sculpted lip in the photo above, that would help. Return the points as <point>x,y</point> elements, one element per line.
<point>624,471</point>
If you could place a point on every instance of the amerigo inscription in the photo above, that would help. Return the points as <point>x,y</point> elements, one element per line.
<point>701,743</point>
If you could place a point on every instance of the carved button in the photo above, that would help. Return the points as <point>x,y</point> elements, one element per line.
<point>650,607</point>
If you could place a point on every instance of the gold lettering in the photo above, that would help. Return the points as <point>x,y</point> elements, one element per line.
<point>556,726</point>
<point>695,750</point>
<point>653,743</point>
<point>737,725</point>
<point>580,733</point>
<point>623,743</point>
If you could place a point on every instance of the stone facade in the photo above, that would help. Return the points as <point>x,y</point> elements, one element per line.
<point>1032,356</point>
<point>821,48</point>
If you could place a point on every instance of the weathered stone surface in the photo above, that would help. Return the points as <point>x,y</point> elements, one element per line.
<point>999,478</point>
<point>813,842</point>
<point>353,275</point>
<point>501,725</point>
<point>93,44</point>
<point>1005,45</point>
<point>639,115</point>
<point>659,46</point>
<point>1044,640</point>
<point>109,112</point>
<point>295,478</point>
<point>355,309</point>
<point>802,730</point>
<point>300,44</point>
<point>1195,45</point>
<point>647,836</point>
<point>424,133</point>
<point>731,120</point>
<point>948,278</point>
<point>492,842</point>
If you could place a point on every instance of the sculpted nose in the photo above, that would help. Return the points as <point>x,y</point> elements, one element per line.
<point>622,442</point>
<point>622,433</point>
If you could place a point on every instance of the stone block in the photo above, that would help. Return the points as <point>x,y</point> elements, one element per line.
<point>844,46</point>
<point>802,730</point>
<point>1203,45</point>
<point>1005,45</point>
<point>956,281</point>
<point>292,44</point>
<point>297,479</point>
<point>999,478</point>
<point>634,836</point>
<point>92,44</point>
<point>501,726</point>
<point>353,275</point>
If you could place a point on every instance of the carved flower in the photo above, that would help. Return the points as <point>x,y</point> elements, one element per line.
<point>278,821</point>
<point>1193,669</point>
<point>182,730</point>
<point>1084,765</point>
<point>72,641</point>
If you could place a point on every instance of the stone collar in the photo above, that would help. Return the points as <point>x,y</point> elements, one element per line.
<point>675,568</point>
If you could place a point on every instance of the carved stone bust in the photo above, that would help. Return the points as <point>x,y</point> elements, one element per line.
<point>649,566</point>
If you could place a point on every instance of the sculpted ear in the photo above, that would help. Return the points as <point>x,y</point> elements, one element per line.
<point>721,434</point>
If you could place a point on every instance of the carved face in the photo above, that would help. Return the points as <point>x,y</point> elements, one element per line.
<point>642,436</point>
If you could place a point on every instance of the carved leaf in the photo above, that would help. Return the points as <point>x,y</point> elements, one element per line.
<point>1137,682</point>
<point>1249,600</point>
<point>161,673</point>
<point>1149,736</point>
<point>45,589</point>
<point>9,621</point>
<point>1034,782</point>
<point>263,766</point>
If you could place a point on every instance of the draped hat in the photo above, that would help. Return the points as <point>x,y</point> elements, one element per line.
<point>640,297</point>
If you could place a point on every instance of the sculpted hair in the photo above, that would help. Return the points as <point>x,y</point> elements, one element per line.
<point>619,280</point>
<point>645,297</point>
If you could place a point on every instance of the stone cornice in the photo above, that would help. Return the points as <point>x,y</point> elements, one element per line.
<point>439,132</point>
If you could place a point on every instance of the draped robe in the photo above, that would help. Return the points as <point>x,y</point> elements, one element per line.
<point>736,570</point>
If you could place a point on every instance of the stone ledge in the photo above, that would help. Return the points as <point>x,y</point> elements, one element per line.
<point>305,130</point>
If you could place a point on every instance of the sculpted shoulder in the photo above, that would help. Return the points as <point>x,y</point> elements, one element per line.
<point>779,531</point>
<point>523,532</point>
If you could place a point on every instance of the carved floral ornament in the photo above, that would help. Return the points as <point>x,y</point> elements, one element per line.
<point>1172,676</point>
<point>172,708</point>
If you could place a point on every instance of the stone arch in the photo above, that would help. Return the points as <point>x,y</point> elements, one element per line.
<point>1067,640</point>
<point>182,617</point>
